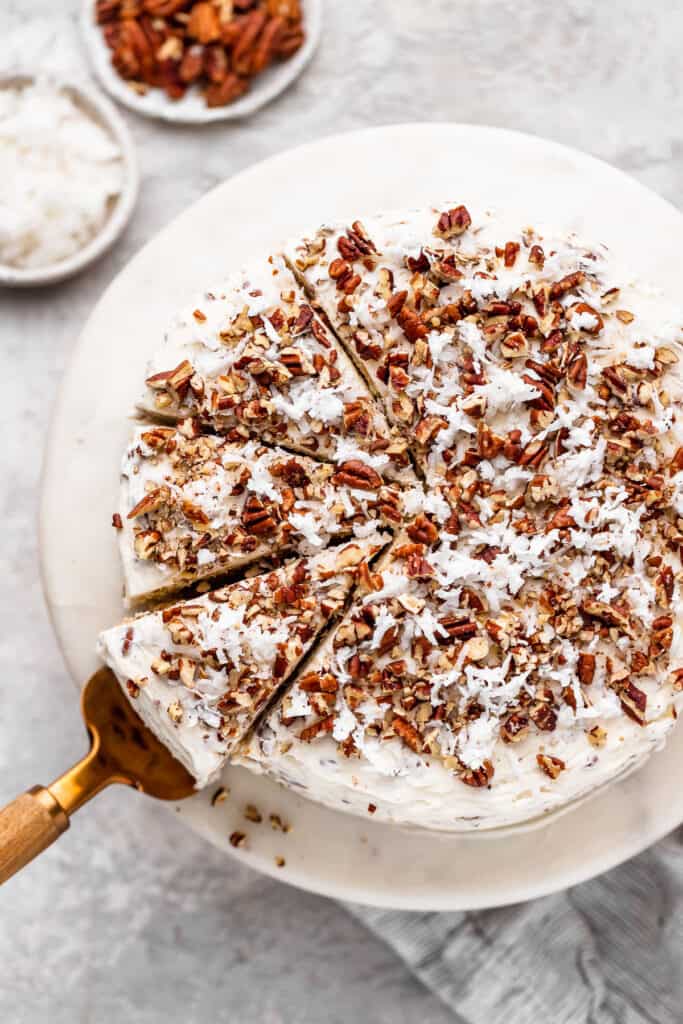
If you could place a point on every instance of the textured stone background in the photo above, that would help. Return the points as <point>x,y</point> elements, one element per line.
<point>131,918</point>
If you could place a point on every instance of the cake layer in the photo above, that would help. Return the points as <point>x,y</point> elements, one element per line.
<point>251,360</point>
<point>200,672</point>
<point>193,507</point>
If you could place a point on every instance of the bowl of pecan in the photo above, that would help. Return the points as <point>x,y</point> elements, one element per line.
<point>197,61</point>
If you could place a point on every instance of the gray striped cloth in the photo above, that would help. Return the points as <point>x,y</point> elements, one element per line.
<point>609,951</point>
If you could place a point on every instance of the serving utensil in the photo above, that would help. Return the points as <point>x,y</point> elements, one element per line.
<point>122,750</point>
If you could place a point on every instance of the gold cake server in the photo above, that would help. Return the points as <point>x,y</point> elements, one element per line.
<point>122,750</point>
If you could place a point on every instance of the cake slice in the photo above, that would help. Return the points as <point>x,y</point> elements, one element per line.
<point>200,672</point>
<point>250,359</point>
<point>195,507</point>
<point>369,279</point>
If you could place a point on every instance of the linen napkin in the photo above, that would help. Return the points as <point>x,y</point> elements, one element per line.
<point>609,951</point>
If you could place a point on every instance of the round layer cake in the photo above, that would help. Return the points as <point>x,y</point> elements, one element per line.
<point>493,419</point>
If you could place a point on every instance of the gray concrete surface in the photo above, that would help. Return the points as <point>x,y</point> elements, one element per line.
<point>130,918</point>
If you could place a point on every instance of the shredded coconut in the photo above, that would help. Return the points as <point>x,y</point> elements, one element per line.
<point>59,170</point>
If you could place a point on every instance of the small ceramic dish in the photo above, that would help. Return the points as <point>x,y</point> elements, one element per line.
<point>120,208</point>
<point>192,109</point>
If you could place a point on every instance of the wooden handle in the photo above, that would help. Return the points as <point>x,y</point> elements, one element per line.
<point>28,826</point>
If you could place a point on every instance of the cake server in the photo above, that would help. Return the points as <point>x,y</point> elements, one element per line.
<point>122,750</point>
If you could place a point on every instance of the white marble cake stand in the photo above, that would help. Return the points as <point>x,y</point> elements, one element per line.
<point>342,176</point>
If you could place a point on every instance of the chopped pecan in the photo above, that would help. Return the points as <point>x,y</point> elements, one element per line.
<point>411,325</point>
<point>515,728</point>
<point>267,46</point>
<point>428,427</point>
<point>633,701</point>
<point>586,668</point>
<point>323,725</point>
<point>567,284</point>
<point>396,302</point>
<point>453,222</point>
<point>552,766</point>
<point>422,530</point>
<point>192,64</point>
<point>356,474</point>
<point>256,518</point>
<point>537,256</point>
<point>408,733</point>
<point>514,345</point>
<point>478,777</point>
<point>597,736</point>
<point>577,370</point>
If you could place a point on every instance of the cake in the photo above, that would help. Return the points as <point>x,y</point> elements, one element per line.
<point>517,645</point>
<point>251,359</point>
<point>198,506</point>
<point>199,672</point>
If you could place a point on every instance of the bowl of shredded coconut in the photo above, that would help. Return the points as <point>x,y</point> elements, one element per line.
<point>68,179</point>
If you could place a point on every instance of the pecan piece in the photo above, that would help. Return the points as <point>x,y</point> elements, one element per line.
<point>566,284</point>
<point>537,256</point>
<point>396,302</point>
<point>577,370</point>
<point>552,766</point>
<point>323,725</point>
<point>203,23</point>
<point>256,518</point>
<point>354,473</point>
<point>586,668</point>
<point>514,346</point>
<point>408,733</point>
<point>411,325</point>
<point>428,427</point>
<point>515,728</point>
<point>218,94</point>
<point>452,223</point>
<point>266,48</point>
<point>422,530</point>
<point>290,41</point>
<point>597,736</point>
<point>633,701</point>
<point>478,777</point>
<point>242,54</point>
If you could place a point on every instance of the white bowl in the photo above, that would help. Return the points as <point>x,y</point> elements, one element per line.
<point>192,109</point>
<point>121,206</point>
